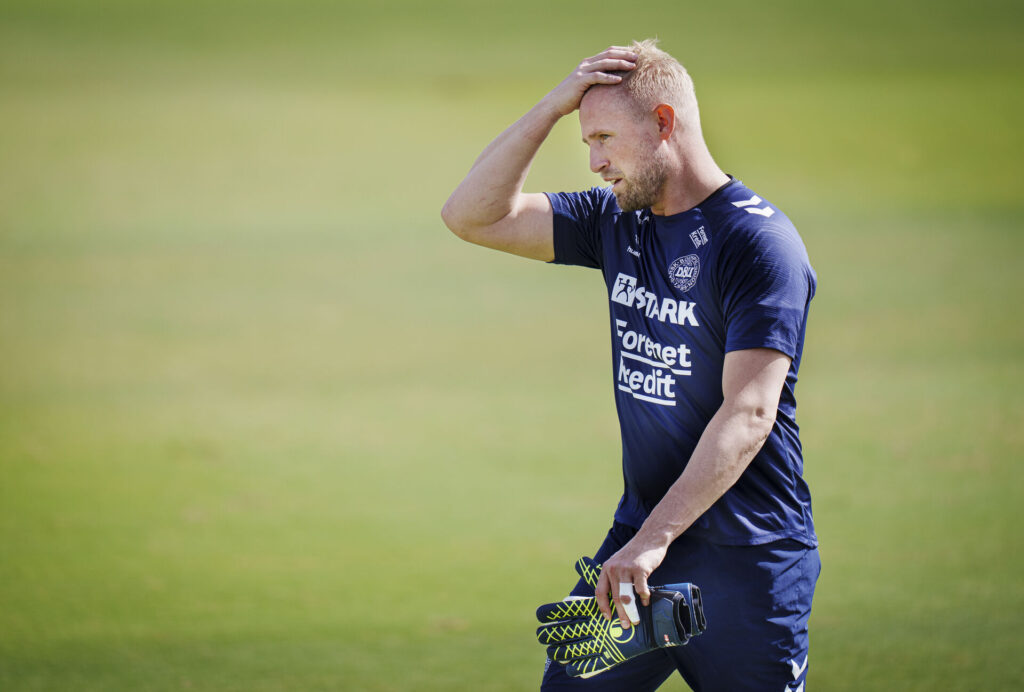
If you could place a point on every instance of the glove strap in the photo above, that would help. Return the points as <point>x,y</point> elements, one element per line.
<point>677,614</point>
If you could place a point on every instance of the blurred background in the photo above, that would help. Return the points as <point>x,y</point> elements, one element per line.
<point>266,425</point>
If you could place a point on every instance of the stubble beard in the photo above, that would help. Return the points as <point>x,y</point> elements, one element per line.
<point>644,188</point>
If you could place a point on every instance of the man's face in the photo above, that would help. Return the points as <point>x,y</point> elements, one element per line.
<point>623,148</point>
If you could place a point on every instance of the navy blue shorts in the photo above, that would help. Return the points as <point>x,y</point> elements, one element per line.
<point>757,601</point>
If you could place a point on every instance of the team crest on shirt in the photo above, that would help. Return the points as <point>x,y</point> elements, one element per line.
<point>683,272</point>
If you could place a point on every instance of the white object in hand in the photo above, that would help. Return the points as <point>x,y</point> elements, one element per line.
<point>626,589</point>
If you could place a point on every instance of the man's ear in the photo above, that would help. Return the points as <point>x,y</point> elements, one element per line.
<point>666,117</point>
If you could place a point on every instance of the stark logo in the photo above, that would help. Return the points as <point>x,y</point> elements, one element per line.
<point>684,271</point>
<point>624,289</point>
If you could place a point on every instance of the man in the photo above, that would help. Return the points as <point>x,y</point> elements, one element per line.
<point>708,289</point>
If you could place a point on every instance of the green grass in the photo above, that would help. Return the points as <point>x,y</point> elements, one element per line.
<point>266,425</point>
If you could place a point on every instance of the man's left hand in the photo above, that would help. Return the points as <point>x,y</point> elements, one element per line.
<point>587,644</point>
<point>631,565</point>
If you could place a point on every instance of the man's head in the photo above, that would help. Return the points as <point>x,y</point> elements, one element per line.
<point>658,78</point>
<point>638,129</point>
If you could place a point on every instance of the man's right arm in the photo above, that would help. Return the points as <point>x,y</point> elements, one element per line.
<point>489,206</point>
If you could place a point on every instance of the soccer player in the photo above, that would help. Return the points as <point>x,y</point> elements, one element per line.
<point>708,288</point>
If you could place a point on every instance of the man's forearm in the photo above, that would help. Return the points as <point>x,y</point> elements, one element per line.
<point>489,191</point>
<point>731,440</point>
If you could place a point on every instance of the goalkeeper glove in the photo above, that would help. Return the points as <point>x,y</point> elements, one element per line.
<point>578,635</point>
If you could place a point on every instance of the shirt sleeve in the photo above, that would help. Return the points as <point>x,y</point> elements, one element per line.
<point>577,227</point>
<point>767,286</point>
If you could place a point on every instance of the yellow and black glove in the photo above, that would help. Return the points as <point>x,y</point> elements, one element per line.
<point>578,636</point>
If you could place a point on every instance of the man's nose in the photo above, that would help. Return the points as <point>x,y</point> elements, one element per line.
<point>597,162</point>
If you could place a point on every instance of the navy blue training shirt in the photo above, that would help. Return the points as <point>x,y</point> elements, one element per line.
<point>730,274</point>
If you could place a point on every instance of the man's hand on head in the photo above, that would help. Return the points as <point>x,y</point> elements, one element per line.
<point>566,97</point>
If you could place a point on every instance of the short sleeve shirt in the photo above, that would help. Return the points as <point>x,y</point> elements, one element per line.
<point>683,290</point>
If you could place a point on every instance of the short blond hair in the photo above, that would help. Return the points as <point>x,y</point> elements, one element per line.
<point>660,78</point>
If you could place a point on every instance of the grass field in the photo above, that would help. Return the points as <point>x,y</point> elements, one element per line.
<point>266,425</point>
